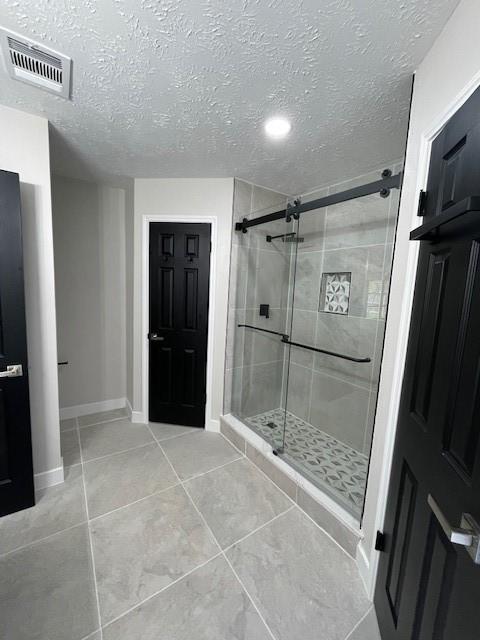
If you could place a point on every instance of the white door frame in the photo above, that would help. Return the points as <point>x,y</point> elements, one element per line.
<point>394,357</point>
<point>210,425</point>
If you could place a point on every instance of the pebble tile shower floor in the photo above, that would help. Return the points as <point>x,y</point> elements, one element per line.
<point>331,464</point>
<point>162,532</point>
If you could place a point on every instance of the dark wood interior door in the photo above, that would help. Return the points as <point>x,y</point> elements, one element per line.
<point>179,284</point>
<point>428,585</point>
<point>16,468</point>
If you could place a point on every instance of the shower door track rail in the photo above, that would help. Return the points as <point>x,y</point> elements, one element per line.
<point>286,340</point>
<point>383,186</point>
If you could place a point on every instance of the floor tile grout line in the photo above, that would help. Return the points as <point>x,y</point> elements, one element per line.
<point>204,473</point>
<point>202,518</point>
<point>44,539</point>
<point>94,424</point>
<point>167,586</point>
<point>349,634</point>
<point>260,615</point>
<point>325,532</point>
<point>92,556</point>
<point>167,459</point>
<point>93,634</point>
<point>178,435</point>
<point>265,524</point>
<point>124,506</point>
<point>116,453</point>
<point>198,475</point>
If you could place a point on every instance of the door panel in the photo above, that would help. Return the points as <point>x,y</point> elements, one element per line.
<point>428,588</point>
<point>428,335</point>
<point>435,585</point>
<point>179,281</point>
<point>16,469</point>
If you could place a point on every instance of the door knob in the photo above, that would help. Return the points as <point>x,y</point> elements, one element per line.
<point>155,337</point>
<point>13,371</point>
<point>467,535</point>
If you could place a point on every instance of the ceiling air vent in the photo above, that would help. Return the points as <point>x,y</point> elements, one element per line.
<point>35,64</point>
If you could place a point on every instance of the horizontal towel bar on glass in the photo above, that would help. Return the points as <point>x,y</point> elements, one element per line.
<point>328,353</point>
<point>275,333</point>
<point>286,340</point>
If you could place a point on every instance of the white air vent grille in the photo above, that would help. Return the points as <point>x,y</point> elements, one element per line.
<point>35,64</point>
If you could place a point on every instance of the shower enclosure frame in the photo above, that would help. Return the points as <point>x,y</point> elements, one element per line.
<point>382,187</point>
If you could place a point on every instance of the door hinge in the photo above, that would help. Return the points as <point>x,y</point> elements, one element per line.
<point>380,541</point>
<point>422,203</point>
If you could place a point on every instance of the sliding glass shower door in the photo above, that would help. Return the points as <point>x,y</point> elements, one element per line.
<point>265,261</point>
<point>337,322</point>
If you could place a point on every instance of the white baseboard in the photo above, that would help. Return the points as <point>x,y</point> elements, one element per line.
<point>213,425</point>
<point>92,407</point>
<point>138,416</point>
<point>363,565</point>
<point>128,407</point>
<point>48,478</point>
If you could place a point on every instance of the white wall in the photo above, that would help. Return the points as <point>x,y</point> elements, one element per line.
<point>89,244</point>
<point>24,149</point>
<point>447,76</point>
<point>129,276</point>
<point>189,198</point>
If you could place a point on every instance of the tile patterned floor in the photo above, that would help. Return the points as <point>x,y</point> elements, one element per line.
<point>331,464</point>
<point>167,533</point>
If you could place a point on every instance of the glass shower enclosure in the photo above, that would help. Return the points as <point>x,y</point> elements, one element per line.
<point>309,292</point>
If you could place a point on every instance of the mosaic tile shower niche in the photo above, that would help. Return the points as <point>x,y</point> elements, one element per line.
<point>327,289</point>
<point>335,292</point>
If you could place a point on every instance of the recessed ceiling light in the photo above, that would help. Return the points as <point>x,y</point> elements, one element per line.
<point>277,127</point>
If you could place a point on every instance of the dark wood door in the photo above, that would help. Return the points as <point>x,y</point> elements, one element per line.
<point>428,587</point>
<point>179,279</point>
<point>16,468</point>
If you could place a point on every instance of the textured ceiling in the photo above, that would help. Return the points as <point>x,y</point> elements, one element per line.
<point>180,88</point>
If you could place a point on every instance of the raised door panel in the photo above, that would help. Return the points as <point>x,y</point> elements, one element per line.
<point>428,335</point>
<point>4,465</point>
<point>190,299</point>
<point>435,585</point>
<point>402,531</point>
<point>461,432</point>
